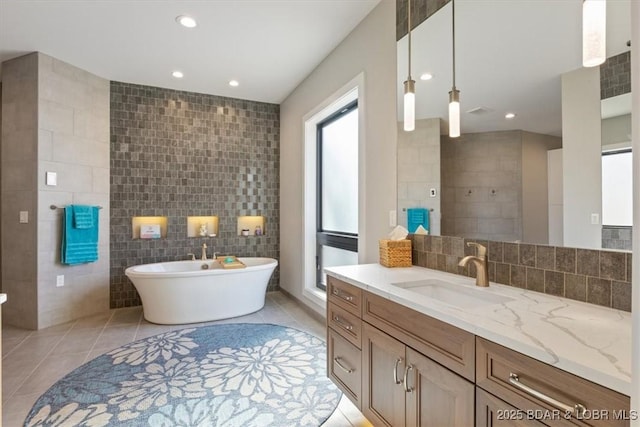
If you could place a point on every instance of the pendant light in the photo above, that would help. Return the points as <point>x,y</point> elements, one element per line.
<point>409,84</point>
<point>454,95</point>
<point>594,29</point>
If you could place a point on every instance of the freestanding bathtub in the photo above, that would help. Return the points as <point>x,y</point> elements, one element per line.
<point>199,291</point>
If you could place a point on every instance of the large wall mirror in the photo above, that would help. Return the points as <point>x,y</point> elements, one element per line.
<point>549,175</point>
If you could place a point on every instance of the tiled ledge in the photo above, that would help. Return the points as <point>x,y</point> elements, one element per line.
<point>594,276</point>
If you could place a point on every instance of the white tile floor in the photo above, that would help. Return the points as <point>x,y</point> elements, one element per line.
<point>32,361</point>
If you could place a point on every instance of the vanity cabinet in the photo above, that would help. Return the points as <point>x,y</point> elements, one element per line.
<point>400,367</point>
<point>560,398</point>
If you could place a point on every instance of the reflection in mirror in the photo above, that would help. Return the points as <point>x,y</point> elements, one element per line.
<point>535,177</point>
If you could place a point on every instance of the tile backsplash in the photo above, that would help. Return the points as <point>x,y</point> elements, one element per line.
<point>178,154</point>
<point>595,276</point>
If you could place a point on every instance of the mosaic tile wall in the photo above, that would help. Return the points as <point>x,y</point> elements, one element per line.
<point>180,154</point>
<point>593,276</point>
<point>420,10</point>
<point>615,76</point>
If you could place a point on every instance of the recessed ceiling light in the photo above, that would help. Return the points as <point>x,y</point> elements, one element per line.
<point>509,115</point>
<point>186,21</point>
<point>234,83</point>
<point>426,76</point>
<point>177,74</point>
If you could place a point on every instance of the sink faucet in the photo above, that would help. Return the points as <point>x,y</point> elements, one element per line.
<point>204,251</point>
<point>480,261</point>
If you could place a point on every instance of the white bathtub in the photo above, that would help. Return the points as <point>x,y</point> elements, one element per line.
<point>185,292</point>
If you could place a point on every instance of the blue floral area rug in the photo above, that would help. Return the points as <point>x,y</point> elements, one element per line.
<point>244,375</point>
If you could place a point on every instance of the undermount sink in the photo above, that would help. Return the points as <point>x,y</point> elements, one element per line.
<point>453,294</point>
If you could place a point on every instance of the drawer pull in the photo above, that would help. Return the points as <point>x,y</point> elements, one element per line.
<point>339,294</point>
<point>341,366</point>
<point>395,371</point>
<point>342,323</point>
<point>406,379</point>
<point>578,409</point>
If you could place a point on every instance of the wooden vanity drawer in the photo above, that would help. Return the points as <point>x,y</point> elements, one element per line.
<point>450,346</point>
<point>494,412</point>
<point>345,323</point>
<point>344,365</point>
<point>345,295</point>
<point>495,369</point>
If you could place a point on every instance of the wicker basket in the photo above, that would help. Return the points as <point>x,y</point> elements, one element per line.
<point>395,253</point>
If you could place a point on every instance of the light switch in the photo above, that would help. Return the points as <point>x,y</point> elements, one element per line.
<point>595,218</point>
<point>52,178</point>
<point>393,219</point>
<point>24,217</point>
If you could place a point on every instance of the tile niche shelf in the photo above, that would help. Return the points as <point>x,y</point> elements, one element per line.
<point>195,222</point>
<point>250,223</point>
<point>137,222</point>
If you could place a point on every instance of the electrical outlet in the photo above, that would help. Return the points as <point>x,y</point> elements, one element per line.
<point>393,219</point>
<point>432,192</point>
<point>60,280</point>
<point>595,218</point>
<point>24,217</point>
<point>51,179</point>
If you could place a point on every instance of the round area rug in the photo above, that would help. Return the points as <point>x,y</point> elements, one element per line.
<point>220,375</point>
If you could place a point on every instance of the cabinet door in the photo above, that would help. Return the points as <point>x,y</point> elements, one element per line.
<point>494,412</point>
<point>383,401</point>
<point>436,397</point>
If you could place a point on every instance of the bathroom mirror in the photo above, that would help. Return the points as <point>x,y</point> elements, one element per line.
<point>498,180</point>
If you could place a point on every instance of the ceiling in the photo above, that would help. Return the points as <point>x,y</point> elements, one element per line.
<point>509,58</point>
<point>268,46</point>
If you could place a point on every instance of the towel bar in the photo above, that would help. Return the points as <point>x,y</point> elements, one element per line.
<point>54,207</point>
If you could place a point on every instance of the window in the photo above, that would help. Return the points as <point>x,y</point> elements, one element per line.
<point>617,194</point>
<point>337,191</point>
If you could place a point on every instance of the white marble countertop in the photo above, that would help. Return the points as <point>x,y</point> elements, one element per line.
<point>3,298</point>
<point>587,340</point>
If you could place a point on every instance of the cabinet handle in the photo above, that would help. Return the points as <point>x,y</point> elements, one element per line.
<point>578,409</point>
<point>406,379</point>
<point>395,371</point>
<point>341,366</point>
<point>339,294</point>
<point>342,323</point>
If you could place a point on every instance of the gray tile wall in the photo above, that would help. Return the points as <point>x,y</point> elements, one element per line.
<point>180,154</point>
<point>420,10</point>
<point>592,276</point>
<point>19,174</point>
<point>482,185</point>
<point>617,237</point>
<point>615,76</point>
<point>56,119</point>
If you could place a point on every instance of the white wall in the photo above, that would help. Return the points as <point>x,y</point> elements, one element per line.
<point>370,49</point>
<point>581,159</point>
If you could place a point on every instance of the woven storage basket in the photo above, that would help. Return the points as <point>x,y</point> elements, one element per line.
<point>395,253</point>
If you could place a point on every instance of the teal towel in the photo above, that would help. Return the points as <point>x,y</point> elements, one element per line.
<point>79,245</point>
<point>82,216</point>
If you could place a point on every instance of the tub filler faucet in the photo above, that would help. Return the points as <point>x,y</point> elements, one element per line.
<point>480,261</point>
<point>204,252</point>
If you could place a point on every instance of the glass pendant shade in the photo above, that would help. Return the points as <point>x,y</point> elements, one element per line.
<point>409,105</point>
<point>594,25</point>
<point>454,113</point>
